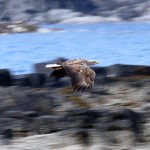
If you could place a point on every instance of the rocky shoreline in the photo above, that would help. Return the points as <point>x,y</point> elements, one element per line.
<point>56,11</point>
<point>23,27</point>
<point>22,16</point>
<point>118,105</point>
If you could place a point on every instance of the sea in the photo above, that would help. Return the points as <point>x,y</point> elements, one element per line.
<point>108,43</point>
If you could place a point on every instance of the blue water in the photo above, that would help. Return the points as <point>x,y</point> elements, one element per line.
<point>109,43</point>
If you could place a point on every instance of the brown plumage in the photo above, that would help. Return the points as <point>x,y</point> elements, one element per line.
<point>82,77</point>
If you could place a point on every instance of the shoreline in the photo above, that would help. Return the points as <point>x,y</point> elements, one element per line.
<point>27,27</point>
<point>115,111</point>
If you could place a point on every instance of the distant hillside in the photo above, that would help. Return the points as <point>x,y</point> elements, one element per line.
<point>53,11</point>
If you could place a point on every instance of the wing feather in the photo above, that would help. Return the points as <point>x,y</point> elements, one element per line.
<point>82,77</point>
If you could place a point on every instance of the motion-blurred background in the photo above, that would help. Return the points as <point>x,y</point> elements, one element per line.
<point>42,113</point>
<point>54,11</point>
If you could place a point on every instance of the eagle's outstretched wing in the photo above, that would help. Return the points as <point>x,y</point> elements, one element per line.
<point>82,77</point>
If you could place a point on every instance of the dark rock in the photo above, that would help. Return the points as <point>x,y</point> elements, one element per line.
<point>120,70</point>
<point>30,114</point>
<point>82,118</point>
<point>83,137</point>
<point>20,114</point>
<point>37,80</point>
<point>100,71</point>
<point>118,125</point>
<point>100,91</point>
<point>13,114</point>
<point>30,11</point>
<point>137,120</point>
<point>32,80</point>
<point>40,103</point>
<point>92,114</point>
<point>58,83</point>
<point>7,135</point>
<point>5,78</point>
<point>146,112</point>
<point>142,70</point>
<point>104,80</point>
<point>43,104</point>
<point>21,80</point>
<point>5,123</point>
<point>123,119</point>
<point>48,124</point>
<point>136,84</point>
<point>25,99</point>
<point>128,12</point>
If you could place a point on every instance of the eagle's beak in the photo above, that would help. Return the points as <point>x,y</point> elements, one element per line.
<point>94,62</point>
<point>97,62</point>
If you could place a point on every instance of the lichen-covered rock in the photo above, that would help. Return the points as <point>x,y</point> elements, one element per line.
<point>17,27</point>
<point>116,106</point>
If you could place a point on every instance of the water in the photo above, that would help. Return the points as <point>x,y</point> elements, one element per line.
<point>109,43</point>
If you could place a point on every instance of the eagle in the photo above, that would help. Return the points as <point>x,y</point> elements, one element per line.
<point>82,77</point>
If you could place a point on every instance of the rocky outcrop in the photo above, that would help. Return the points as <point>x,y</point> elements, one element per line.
<point>118,103</point>
<point>25,16</point>
<point>73,11</point>
<point>5,77</point>
<point>19,27</point>
<point>23,27</point>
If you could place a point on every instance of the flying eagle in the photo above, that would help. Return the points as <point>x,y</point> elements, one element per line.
<point>82,77</point>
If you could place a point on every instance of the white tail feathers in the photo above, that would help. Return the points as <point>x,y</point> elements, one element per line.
<point>52,65</point>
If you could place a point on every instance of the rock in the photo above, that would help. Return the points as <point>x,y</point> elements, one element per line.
<point>47,30</point>
<point>82,118</point>
<point>5,78</point>
<point>57,15</point>
<point>37,80</point>
<point>22,28</point>
<point>122,119</point>
<point>37,105</point>
<point>120,70</point>
<point>58,83</point>
<point>23,99</point>
<point>4,29</point>
<point>83,137</point>
<point>48,124</point>
<point>100,71</point>
<point>17,27</point>
<point>146,107</point>
<point>146,111</point>
<point>13,114</point>
<point>128,14</point>
<point>7,135</point>
<point>137,84</point>
<point>32,80</point>
<point>72,11</point>
<point>21,80</point>
<point>20,114</point>
<point>5,124</point>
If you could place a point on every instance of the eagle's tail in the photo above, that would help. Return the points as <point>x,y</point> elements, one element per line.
<point>52,66</point>
<point>58,72</point>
